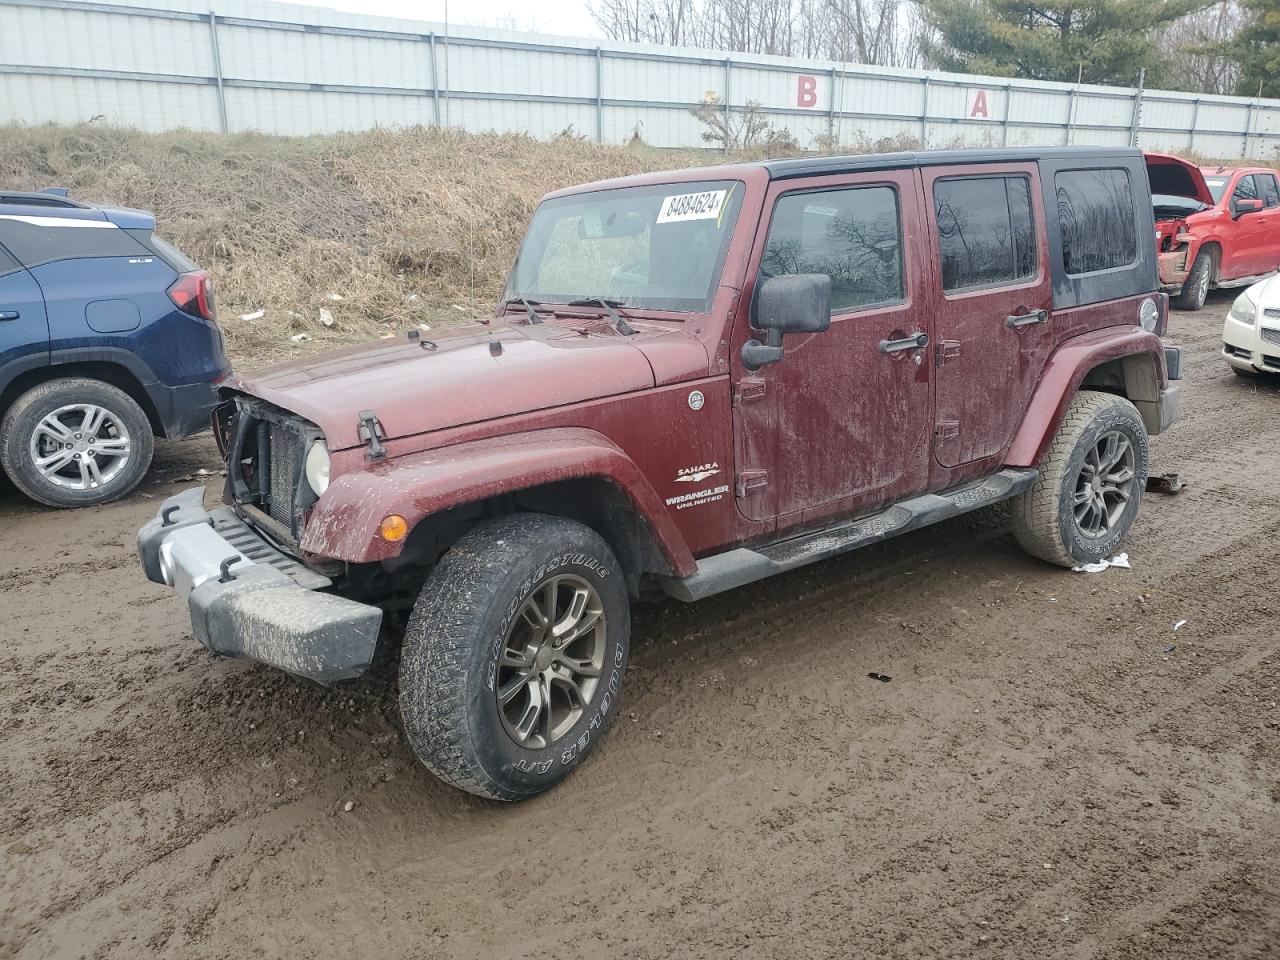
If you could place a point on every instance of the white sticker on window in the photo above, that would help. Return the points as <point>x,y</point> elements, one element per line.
<point>692,206</point>
<point>820,210</point>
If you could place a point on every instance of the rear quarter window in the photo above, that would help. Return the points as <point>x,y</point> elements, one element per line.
<point>1096,218</point>
<point>7,263</point>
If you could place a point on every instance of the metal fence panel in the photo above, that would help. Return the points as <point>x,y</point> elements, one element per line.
<point>279,68</point>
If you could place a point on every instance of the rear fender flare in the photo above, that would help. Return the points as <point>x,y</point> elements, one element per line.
<point>1144,376</point>
<point>344,524</point>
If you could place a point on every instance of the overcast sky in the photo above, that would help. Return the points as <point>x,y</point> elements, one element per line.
<point>569,17</point>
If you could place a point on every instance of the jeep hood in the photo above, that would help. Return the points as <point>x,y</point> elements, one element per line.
<point>1175,177</point>
<point>465,379</point>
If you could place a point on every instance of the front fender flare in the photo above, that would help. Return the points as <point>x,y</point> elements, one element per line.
<point>344,524</point>
<point>1064,373</point>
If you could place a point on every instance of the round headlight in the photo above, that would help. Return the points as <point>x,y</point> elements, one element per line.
<point>1148,315</point>
<point>317,467</point>
<point>1243,309</point>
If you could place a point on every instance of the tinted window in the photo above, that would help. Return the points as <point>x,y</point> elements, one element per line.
<point>47,237</point>
<point>1095,213</point>
<point>1245,189</point>
<point>985,234</point>
<point>852,235</point>
<point>1270,193</point>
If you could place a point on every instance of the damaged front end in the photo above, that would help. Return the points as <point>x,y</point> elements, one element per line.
<point>238,566</point>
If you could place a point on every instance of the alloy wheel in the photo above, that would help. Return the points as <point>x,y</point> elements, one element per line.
<point>1104,485</point>
<point>81,446</point>
<point>551,662</point>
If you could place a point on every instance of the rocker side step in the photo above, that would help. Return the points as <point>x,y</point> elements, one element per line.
<point>736,568</point>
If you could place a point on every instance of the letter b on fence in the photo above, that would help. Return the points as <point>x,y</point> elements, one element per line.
<point>806,91</point>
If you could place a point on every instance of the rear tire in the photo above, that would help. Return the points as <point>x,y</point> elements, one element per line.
<point>1090,485</point>
<point>75,443</point>
<point>524,612</point>
<point>1195,290</point>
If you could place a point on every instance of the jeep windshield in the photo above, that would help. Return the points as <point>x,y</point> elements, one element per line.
<point>655,248</point>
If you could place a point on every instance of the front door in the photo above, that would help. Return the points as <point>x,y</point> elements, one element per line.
<point>842,422</point>
<point>994,319</point>
<point>1250,252</point>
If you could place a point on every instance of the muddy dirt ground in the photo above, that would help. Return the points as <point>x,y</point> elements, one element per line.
<point>1051,772</point>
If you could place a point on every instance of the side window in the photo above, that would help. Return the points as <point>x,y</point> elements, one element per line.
<point>1270,192</point>
<point>985,232</point>
<point>853,235</point>
<point>1246,188</point>
<point>1095,215</point>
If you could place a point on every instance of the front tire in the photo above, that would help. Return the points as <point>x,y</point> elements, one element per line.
<point>1090,485</point>
<point>514,654</point>
<point>75,443</point>
<point>1195,290</point>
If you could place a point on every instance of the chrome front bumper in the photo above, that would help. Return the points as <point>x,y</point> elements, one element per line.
<point>247,599</point>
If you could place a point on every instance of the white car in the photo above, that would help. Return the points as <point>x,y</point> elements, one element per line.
<point>1251,333</point>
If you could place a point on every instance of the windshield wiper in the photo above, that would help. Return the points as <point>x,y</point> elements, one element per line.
<point>619,324</point>
<point>528,307</point>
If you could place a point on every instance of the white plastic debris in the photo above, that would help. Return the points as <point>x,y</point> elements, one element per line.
<point>256,315</point>
<point>412,298</point>
<point>326,317</point>
<point>424,326</point>
<point>1178,625</point>
<point>300,337</point>
<point>335,297</point>
<point>1119,560</point>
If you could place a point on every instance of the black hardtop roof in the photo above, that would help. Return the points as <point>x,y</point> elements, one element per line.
<point>817,166</point>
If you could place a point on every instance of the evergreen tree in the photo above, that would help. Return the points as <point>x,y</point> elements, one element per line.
<point>1257,48</point>
<point>1104,41</point>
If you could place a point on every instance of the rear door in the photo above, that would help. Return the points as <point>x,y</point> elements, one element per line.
<point>24,328</point>
<point>842,422</point>
<point>994,321</point>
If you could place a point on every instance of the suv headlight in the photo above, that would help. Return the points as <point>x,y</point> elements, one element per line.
<point>316,467</point>
<point>1243,309</point>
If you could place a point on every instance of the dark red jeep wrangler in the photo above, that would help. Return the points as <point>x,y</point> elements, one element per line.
<point>696,379</point>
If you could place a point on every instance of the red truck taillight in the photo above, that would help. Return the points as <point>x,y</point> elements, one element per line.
<point>193,293</point>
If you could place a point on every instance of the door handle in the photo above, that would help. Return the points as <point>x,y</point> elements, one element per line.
<point>916,341</point>
<point>1026,319</point>
<point>9,314</point>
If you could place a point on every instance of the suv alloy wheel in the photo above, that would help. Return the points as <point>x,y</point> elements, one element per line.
<point>75,442</point>
<point>514,654</point>
<point>1091,483</point>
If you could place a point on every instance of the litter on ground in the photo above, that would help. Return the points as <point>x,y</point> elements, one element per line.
<point>1119,560</point>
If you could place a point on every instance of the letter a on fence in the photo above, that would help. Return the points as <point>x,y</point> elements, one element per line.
<point>978,104</point>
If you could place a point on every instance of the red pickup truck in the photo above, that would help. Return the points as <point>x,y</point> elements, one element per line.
<point>1216,227</point>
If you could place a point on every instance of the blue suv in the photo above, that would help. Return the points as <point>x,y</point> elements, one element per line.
<point>108,339</point>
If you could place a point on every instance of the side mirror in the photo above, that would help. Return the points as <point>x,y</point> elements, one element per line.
<point>796,303</point>
<point>1240,207</point>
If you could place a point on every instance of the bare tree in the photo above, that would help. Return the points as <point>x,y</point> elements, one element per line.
<point>884,32</point>
<point>1197,48</point>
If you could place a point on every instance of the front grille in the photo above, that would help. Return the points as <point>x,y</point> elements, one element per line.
<point>282,469</point>
<point>265,463</point>
<point>1271,336</point>
<point>1271,312</point>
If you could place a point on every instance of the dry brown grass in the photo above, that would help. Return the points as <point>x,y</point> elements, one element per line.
<point>403,225</point>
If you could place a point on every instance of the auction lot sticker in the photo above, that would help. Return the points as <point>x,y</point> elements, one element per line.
<point>692,206</point>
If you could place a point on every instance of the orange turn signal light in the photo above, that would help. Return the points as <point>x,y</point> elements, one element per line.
<point>393,528</point>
